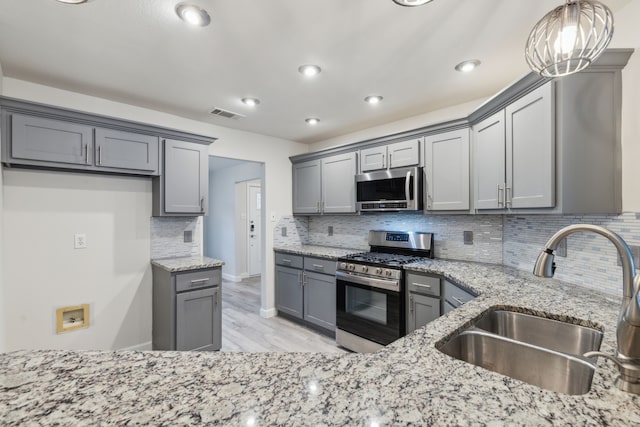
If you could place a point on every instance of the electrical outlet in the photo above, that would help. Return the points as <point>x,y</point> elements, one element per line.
<point>330,230</point>
<point>468,237</point>
<point>273,216</point>
<point>188,236</point>
<point>80,241</point>
<point>561,250</point>
<point>283,231</point>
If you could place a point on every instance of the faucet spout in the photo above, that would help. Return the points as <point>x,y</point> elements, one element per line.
<point>628,330</point>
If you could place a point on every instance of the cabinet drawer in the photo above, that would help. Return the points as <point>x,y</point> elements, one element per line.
<point>455,295</point>
<point>289,260</point>
<point>421,284</point>
<point>198,279</point>
<point>320,265</point>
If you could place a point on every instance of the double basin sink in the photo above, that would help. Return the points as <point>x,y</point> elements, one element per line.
<point>540,351</point>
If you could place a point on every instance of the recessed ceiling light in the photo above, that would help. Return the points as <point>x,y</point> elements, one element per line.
<point>193,15</point>
<point>73,1</point>
<point>251,102</point>
<point>466,66</point>
<point>309,70</point>
<point>411,2</point>
<point>373,99</point>
<point>312,120</point>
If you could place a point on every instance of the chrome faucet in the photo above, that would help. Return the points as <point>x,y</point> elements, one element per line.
<point>628,331</point>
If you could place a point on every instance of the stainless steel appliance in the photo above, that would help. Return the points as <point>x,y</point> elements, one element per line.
<point>370,302</point>
<point>390,190</point>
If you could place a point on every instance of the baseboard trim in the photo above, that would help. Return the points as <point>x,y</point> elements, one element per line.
<point>145,346</point>
<point>271,312</point>
<point>232,278</point>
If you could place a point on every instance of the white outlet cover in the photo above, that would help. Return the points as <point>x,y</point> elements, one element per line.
<point>80,241</point>
<point>273,216</point>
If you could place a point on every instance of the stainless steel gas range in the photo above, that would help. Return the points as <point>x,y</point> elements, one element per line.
<point>370,303</point>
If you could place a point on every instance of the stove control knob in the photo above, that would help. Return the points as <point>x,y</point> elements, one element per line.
<point>365,268</point>
<point>378,270</point>
<point>343,265</point>
<point>352,267</point>
<point>387,272</point>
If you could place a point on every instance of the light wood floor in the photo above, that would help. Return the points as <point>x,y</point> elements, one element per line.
<point>243,329</point>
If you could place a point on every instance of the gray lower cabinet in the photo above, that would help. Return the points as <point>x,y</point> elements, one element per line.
<point>422,310</point>
<point>289,291</point>
<point>320,299</point>
<point>183,188</point>
<point>118,150</point>
<point>454,295</point>
<point>187,309</point>
<point>306,289</point>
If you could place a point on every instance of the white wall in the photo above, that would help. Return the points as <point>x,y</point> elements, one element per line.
<point>627,34</point>
<point>2,303</point>
<point>117,281</point>
<point>221,233</point>
<point>42,212</point>
<point>410,123</point>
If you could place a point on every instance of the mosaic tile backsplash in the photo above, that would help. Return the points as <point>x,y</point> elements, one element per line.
<point>512,240</point>
<point>167,236</point>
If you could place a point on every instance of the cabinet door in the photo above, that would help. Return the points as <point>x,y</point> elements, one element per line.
<point>372,159</point>
<point>320,299</point>
<point>405,153</point>
<point>489,162</point>
<point>126,150</point>
<point>447,308</point>
<point>289,291</point>
<point>339,184</point>
<point>447,170</point>
<point>198,320</point>
<point>54,141</point>
<point>307,187</point>
<point>531,150</point>
<point>422,310</point>
<point>186,177</point>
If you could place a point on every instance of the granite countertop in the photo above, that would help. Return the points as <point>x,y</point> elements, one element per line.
<point>408,382</point>
<point>186,263</point>
<point>317,251</point>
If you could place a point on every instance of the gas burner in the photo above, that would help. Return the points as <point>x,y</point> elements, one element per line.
<point>377,258</point>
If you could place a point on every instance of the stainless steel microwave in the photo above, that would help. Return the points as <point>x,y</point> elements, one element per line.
<point>390,190</point>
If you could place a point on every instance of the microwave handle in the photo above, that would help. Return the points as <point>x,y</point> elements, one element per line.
<point>407,186</point>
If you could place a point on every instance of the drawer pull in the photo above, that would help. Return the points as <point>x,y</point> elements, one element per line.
<point>195,282</point>
<point>458,300</point>
<point>286,261</point>
<point>420,285</point>
<point>318,266</point>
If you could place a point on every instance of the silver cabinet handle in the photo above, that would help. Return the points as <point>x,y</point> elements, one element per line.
<point>194,282</point>
<point>390,160</point>
<point>407,186</point>
<point>507,196</point>
<point>318,266</point>
<point>411,305</point>
<point>420,285</point>
<point>500,202</point>
<point>458,300</point>
<point>99,154</point>
<point>286,261</point>
<point>202,204</point>
<point>86,153</point>
<point>304,279</point>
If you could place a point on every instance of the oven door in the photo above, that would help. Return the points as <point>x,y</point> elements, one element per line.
<point>369,308</point>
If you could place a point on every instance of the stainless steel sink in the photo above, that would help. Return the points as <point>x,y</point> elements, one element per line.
<point>543,352</point>
<point>547,333</point>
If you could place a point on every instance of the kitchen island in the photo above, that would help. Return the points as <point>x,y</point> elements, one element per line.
<point>408,382</point>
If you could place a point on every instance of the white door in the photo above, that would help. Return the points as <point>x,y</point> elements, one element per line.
<point>254,242</point>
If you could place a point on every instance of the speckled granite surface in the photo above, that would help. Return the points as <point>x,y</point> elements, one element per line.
<point>408,382</point>
<point>187,263</point>
<point>317,251</point>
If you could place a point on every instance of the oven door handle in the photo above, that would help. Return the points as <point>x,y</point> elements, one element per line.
<point>407,187</point>
<point>391,285</point>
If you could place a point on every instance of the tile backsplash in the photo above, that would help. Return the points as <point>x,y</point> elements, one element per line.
<point>512,240</point>
<point>167,236</point>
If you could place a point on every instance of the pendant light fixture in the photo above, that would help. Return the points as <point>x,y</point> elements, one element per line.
<point>569,38</point>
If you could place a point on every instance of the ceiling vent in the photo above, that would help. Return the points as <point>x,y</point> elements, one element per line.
<point>226,114</point>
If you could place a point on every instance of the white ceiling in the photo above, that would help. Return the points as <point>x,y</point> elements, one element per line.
<point>139,52</point>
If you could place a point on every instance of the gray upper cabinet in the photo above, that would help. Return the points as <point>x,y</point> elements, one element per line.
<point>325,185</point>
<point>183,188</point>
<point>338,184</point>
<point>489,162</point>
<point>307,187</point>
<point>446,169</point>
<point>120,150</point>
<point>39,141</point>
<point>514,154</point>
<point>396,155</point>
